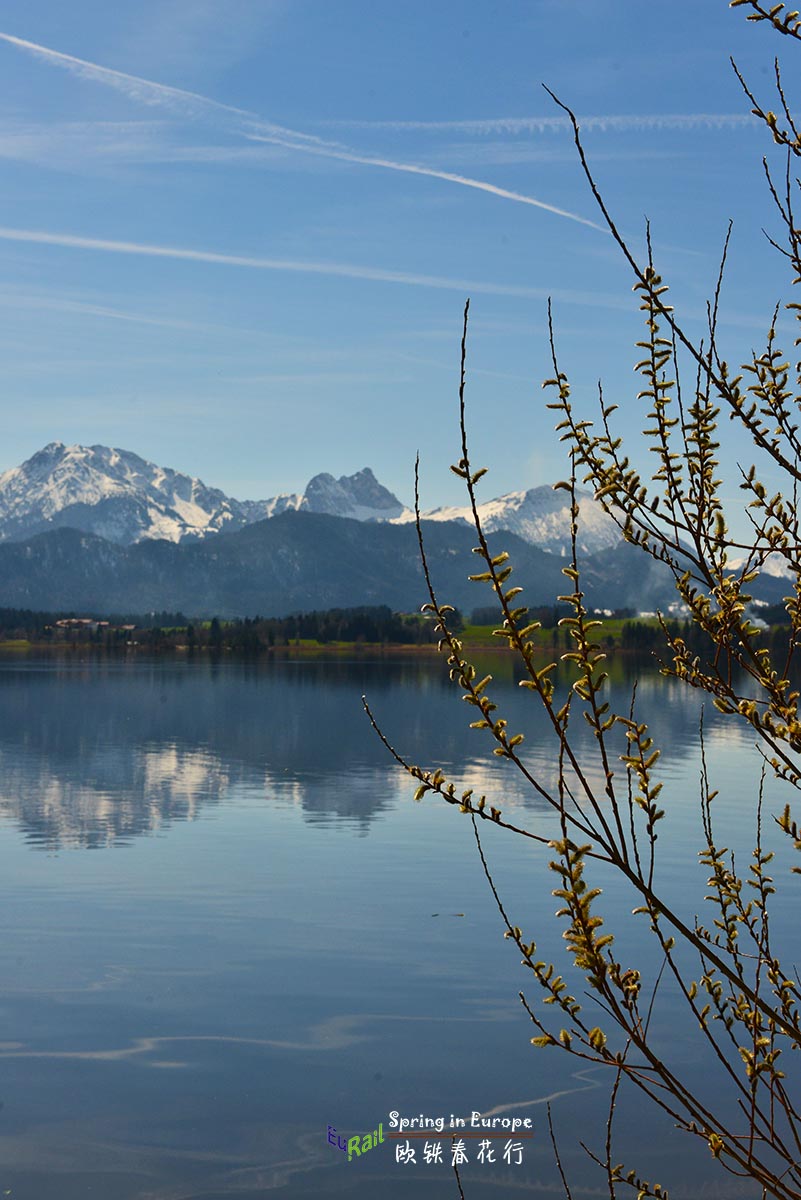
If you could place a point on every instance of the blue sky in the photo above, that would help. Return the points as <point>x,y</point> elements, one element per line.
<point>237,238</point>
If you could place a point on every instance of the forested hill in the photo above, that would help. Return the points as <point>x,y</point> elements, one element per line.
<point>297,562</point>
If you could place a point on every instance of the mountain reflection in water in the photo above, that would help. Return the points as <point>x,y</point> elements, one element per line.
<point>93,754</point>
<point>277,939</point>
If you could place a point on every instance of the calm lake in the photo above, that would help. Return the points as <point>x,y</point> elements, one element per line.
<point>226,927</point>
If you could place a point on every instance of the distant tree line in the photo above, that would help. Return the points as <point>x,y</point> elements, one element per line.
<point>548,615</point>
<point>162,630</point>
<point>367,624</point>
<point>649,637</point>
<point>375,625</point>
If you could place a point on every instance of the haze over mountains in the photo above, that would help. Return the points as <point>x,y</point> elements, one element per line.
<point>101,530</point>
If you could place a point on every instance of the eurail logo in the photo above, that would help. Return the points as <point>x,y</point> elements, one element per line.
<point>357,1145</point>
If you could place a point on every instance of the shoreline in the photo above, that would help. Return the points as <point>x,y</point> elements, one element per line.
<point>306,650</point>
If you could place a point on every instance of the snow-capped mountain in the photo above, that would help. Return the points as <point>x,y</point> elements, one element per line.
<point>540,516</point>
<point>112,493</point>
<point>359,496</point>
<point>121,497</point>
<point>775,566</point>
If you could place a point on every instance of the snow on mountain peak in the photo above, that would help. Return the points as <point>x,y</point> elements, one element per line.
<point>110,492</point>
<point>124,498</point>
<point>540,516</point>
<point>360,496</point>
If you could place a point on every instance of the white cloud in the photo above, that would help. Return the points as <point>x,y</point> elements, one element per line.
<point>72,145</point>
<point>65,143</point>
<point>191,37</point>
<point>336,270</point>
<point>13,297</point>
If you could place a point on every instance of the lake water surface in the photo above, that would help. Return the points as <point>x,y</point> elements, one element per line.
<point>226,927</point>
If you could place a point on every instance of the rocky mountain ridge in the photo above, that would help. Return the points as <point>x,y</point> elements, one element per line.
<point>540,516</point>
<point>125,499</point>
<point>121,497</point>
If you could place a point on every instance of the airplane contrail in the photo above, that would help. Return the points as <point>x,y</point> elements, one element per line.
<point>341,270</point>
<point>552,124</point>
<point>254,127</point>
<point>144,91</point>
<point>414,169</point>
